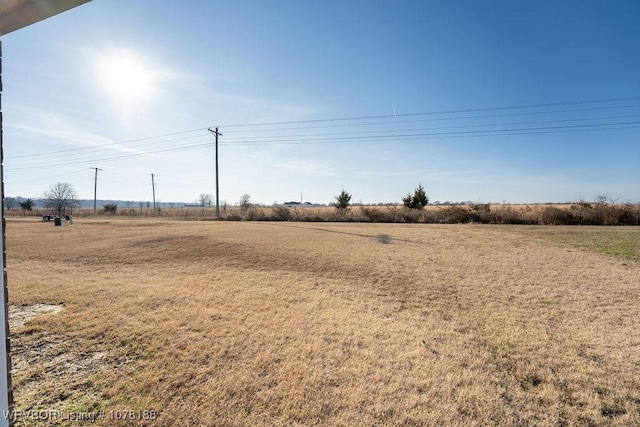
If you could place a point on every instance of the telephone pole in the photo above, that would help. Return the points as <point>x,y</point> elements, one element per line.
<point>216,133</point>
<point>95,189</point>
<point>153,186</point>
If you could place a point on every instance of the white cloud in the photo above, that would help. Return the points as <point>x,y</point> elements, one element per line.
<point>54,128</point>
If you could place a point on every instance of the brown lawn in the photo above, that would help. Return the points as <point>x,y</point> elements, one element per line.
<point>242,323</point>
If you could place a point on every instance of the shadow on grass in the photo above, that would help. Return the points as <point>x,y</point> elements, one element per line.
<point>382,238</point>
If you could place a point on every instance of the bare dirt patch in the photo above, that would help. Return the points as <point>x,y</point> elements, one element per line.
<point>20,314</point>
<point>41,361</point>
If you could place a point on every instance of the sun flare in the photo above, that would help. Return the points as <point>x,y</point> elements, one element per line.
<point>126,77</point>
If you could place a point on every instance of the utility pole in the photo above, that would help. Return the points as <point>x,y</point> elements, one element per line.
<point>95,189</point>
<point>153,186</point>
<point>216,133</point>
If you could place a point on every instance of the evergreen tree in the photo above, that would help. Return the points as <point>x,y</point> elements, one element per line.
<point>27,205</point>
<point>343,200</point>
<point>419,199</point>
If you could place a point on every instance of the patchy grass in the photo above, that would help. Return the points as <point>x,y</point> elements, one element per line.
<point>549,301</point>
<point>620,241</point>
<point>241,323</point>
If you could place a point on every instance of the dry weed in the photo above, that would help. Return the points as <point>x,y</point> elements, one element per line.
<point>246,323</point>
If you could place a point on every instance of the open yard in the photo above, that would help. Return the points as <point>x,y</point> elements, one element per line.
<point>176,323</point>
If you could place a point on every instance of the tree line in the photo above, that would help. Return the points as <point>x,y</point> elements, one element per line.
<point>62,197</point>
<point>59,197</point>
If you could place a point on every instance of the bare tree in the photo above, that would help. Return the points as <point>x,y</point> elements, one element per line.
<point>205,199</point>
<point>602,199</point>
<point>10,203</point>
<point>60,196</point>
<point>245,201</point>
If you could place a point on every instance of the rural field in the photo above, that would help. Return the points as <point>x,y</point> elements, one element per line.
<point>163,322</point>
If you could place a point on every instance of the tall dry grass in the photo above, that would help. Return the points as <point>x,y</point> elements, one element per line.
<point>548,214</point>
<point>246,323</point>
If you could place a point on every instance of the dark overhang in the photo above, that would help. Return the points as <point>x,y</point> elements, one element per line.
<point>15,14</point>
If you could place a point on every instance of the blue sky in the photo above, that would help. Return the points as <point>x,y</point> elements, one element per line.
<point>131,88</point>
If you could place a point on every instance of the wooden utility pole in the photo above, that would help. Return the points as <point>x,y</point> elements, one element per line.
<point>216,133</point>
<point>95,190</point>
<point>153,187</point>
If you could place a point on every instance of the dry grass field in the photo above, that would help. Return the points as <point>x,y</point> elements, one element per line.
<point>246,323</point>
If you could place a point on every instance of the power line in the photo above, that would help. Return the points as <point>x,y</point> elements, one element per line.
<point>433,119</point>
<point>280,137</point>
<point>102,159</point>
<point>353,139</point>
<point>111,144</point>
<point>296,136</point>
<point>466,110</point>
<point>406,133</point>
<point>154,139</point>
<point>397,136</point>
<point>436,134</point>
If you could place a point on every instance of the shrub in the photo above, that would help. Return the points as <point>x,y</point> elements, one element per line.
<point>394,214</point>
<point>255,214</point>
<point>281,213</point>
<point>27,205</point>
<point>608,215</point>
<point>405,215</point>
<point>630,214</point>
<point>508,215</point>
<point>412,215</point>
<point>110,208</point>
<point>455,215</point>
<point>480,207</point>
<point>375,215</point>
<point>555,216</point>
<point>480,212</point>
<point>584,214</point>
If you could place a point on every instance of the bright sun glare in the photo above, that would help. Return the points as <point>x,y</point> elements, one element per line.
<point>126,77</point>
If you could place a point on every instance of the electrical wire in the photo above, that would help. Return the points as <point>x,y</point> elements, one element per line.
<point>161,138</point>
<point>353,139</point>
<point>78,155</point>
<point>466,110</point>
